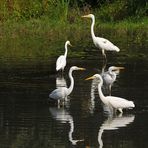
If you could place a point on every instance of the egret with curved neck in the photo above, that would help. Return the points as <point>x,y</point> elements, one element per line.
<point>102,43</point>
<point>109,77</point>
<point>116,103</point>
<point>61,61</point>
<point>61,93</point>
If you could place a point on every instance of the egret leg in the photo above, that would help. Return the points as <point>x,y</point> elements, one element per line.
<point>63,102</point>
<point>110,87</point>
<point>66,99</point>
<point>58,103</point>
<point>120,110</point>
<point>103,52</point>
<point>61,74</point>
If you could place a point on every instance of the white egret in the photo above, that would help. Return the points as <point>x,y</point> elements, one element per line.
<point>60,94</point>
<point>102,43</point>
<point>116,103</point>
<point>109,77</point>
<point>61,61</point>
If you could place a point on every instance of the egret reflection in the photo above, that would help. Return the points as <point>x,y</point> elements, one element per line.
<point>60,82</point>
<point>62,115</point>
<point>114,123</point>
<point>94,90</point>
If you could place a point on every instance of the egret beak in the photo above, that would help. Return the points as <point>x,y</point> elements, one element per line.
<point>119,68</point>
<point>85,16</point>
<point>90,78</point>
<point>70,44</point>
<point>80,68</point>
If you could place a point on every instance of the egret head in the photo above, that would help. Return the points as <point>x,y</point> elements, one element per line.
<point>77,68</point>
<point>68,43</point>
<point>115,69</point>
<point>89,16</point>
<point>95,76</point>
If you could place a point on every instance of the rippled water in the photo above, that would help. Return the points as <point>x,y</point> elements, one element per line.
<point>28,120</point>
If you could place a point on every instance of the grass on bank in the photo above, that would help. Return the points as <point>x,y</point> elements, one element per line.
<point>45,37</point>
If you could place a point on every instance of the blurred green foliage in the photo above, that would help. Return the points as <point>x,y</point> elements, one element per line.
<point>107,10</point>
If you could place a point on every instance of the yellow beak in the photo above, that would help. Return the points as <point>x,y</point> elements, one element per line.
<point>85,16</point>
<point>119,68</point>
<point>80,68</point>
<point>90,78</point>
<point>70,44</point>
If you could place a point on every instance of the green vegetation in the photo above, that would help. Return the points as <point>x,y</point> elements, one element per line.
<point>39,28</point>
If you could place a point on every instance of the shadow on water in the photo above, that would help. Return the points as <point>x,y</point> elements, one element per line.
<point>27,120</point>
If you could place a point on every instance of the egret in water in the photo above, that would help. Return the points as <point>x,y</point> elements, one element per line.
<point>60,94</point>
<point>61,61</point>
<point>109,77</point>
<point>115,103</point>
<point>102,43</point>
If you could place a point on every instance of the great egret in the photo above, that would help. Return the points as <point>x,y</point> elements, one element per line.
<point>116,103</point>
<point>102,43</point>
<point>61,61</point>
<point>62,92</point>
<point>109,77</point>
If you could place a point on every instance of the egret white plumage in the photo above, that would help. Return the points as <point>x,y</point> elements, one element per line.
<point>115,103</point>
<point>61,61</point>
<point>109,77</point>
<point>60,94</point>
<point>102,43</point>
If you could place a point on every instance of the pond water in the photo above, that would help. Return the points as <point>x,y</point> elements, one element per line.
<point>28,120</point>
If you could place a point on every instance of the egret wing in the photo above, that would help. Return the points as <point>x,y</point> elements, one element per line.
<point>106,44</point>
<point>61,62</point>
<point>117,102</point>
<point>59,93</point>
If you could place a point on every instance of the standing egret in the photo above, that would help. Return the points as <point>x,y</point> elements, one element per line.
<point>61,93</point>
<point>61,61</point>
<point>116,103</point>
<point>102,43</point>
<point>109,77</point>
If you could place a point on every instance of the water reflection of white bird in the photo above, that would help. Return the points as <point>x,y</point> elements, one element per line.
<point>60,94</point>
<point>114,103</point>
<point>61,61</point>
<point>109,77</point>
<point>102,43</point>
<point>113,123</point>
<point>63,116</point>
<point>60,82</point>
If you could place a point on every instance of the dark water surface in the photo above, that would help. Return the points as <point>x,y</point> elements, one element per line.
<point>27,120</point>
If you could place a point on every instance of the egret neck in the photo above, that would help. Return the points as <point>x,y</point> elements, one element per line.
<point>112,74</point>
<point>102,97</point>
<point>66,49</point>
<point>72,82</point>
<point>92,27</point>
